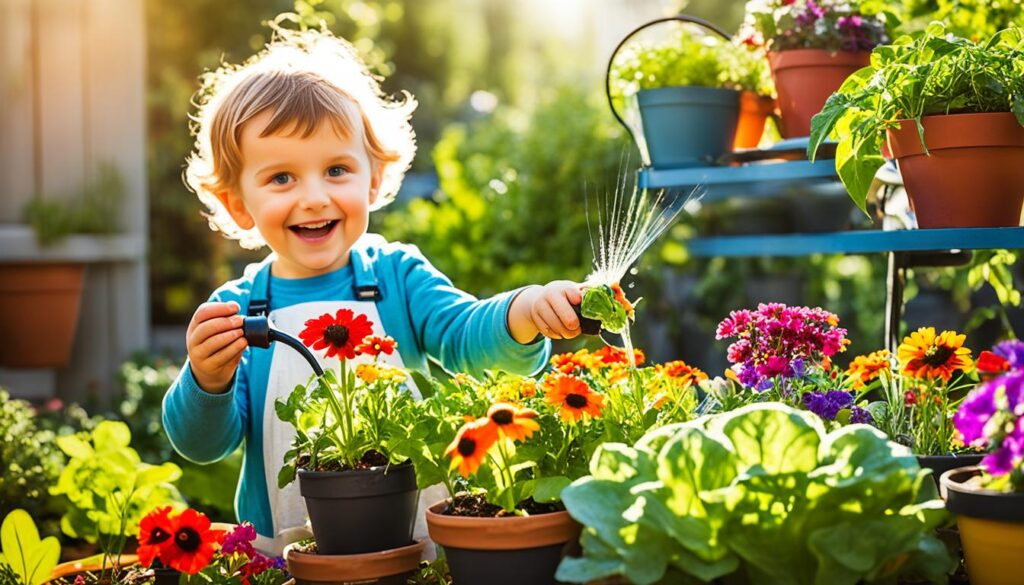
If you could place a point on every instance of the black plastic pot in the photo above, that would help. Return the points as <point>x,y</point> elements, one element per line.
<point>535,566</point>
<point>361,510</point>
<point>940,464</point>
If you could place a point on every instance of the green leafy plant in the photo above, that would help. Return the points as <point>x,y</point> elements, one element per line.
<point>108,487</point>
<point>763,490</point>
<point>30,559</point>
<point>601,303</point>
<point>928,73</point>
<point>29,461</point>
<point>836,25</point>
<point>973,19</point>
<point>94,212</point>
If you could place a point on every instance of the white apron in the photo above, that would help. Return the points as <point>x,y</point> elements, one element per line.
<point>288,369</point>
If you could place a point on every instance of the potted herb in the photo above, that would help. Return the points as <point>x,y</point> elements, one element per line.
<point>689,108</point>
<point>988,499</point>
<point>361,497</point>
<point>720,497</point>
<point>949,110</point>
<point>40,299</point>
<point>813,46</point>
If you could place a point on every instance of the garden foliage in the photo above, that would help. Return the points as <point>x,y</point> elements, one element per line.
<point>29,460</point>
<point>764,490</point>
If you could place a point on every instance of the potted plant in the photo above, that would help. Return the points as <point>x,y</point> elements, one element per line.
<point>721,498</point>
<point>39,300</point>
<point>948,110</point>
<point>813,46</point>
<point>746,69</point>
<point>361,497</point>
<point>506,446</point>
<point>689,109</point>
<point>988,499</point>
<point>387,567</point>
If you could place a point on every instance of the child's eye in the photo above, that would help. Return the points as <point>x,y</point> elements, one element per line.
<point>280,179</point>
<point>336,171</point>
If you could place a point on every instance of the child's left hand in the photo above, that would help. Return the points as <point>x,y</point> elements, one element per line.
<point>546,310</point>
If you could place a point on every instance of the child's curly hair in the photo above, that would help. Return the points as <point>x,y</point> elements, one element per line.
<point>305,78</point>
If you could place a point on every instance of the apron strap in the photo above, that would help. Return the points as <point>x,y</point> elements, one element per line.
<point>259,298</point>
<point>367,287</point>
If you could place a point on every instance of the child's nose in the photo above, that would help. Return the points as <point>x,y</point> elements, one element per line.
<point>315,196</point>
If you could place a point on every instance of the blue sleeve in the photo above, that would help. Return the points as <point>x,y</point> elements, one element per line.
<point>462,333</point>
<point>205,427</point>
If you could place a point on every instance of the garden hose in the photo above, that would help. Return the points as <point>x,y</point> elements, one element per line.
<point>259,333</point>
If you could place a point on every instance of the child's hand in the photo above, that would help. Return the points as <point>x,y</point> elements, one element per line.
<point>547,310</point>
<point>215,344</point>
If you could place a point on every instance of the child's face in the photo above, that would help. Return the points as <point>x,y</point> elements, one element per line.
<point>308,197</point>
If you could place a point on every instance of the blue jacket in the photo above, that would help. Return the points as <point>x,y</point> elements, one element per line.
<point>419,308</point>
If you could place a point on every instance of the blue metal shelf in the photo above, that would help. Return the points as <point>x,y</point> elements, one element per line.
<point>859,242</point>
<point>761,179</point>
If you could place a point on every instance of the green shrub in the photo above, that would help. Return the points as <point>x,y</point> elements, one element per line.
<point>29,460</point>
<point>511,207</point>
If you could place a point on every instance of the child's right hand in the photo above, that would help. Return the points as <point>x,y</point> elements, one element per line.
<point>215,345</point>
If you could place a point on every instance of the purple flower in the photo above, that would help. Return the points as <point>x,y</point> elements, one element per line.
<point>860,415</point>
<point>1009,455</point>
<point>975,412</point>
<point>240,540</point>
<point>827,404</point>
<point>852,21</point>
<point>1011,351</point>
<point>798,368</point>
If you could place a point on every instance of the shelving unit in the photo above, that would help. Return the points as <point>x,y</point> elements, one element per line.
<point>763,178</point>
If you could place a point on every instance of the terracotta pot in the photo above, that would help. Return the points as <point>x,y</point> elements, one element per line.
<point>388,567</point>
<point>361,510</point>
<point>754,112</point>
<point>39,313</point>
<point>940,464</point>
<point>973,175</point>
<point>90,564</point>
<point>502,551</point>
<point>991,527</point>
<point>805,78</point>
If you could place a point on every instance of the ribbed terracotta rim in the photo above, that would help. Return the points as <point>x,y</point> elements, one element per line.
<point>511,533</point>
<point>340,568</point>
<point>945,131</point>
<point>816,58</point>
<point>73,567</point>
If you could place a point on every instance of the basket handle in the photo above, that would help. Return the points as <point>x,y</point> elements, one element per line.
<point>608,71</point>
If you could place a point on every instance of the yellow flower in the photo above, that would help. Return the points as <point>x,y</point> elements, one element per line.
<point>367,373</point>
<point>392,373</point>
<point>926,355</point>
<point>865,368</point>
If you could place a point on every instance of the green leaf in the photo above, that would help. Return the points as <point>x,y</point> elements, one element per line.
<point>549,489</point>
<point>599,303</point>
<point>32,559</point>
<point>110,435</point>
<point>73,446</point>
<point>424,384</point>
<point>152,475</point>
<point>773,437</point>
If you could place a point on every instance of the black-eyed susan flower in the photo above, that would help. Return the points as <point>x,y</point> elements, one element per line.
<point>866,368</point>
<point>682,373</point>
<point>512,421</point>
<point>338,334</point>
<point>471,444</point>
<point>155,533</point>
<point>573,397</point>
<point>923,354</point>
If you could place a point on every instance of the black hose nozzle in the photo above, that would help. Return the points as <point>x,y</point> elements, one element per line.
<point>587,325</point>
<point>259,333</point>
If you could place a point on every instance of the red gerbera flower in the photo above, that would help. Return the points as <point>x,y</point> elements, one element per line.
<point>155,532</point>
<point>338,334</point>
<point>374,346</point>
<point>193,543</point>
<point>990,363</point>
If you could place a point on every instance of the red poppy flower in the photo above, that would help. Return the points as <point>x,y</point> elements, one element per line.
<point>374,346</point>
<point>339,334</point>
<point>193,543</point>
<point>155,532</point>
<point>990,363</point>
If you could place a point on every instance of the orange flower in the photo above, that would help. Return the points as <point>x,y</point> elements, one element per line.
<point>374,346</point>
<point>569,362</point>
<point>682,372</point>
<point>514,422</point>
<point>528,387</point>
<point>614,355</point>
<point>573,397</point>
<point>367,373</point>
<point>865,368</point>
<point>925,355</point>
<point>471,444</point>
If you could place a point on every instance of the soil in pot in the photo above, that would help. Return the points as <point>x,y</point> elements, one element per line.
<point>361,510</point>
<point>805,78</point>
<point>991,527</point>
<point>388,567</point>
<point>972,174</point>
<point>482,548</point>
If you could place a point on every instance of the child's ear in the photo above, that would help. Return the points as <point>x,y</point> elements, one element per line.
<point>375,180</point>
<point>232,201</point>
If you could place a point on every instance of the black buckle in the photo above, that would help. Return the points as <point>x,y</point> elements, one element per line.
<point>368,292</point>
<point>258,308</point>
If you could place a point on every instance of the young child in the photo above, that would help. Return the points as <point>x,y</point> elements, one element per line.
<point>293,151</point>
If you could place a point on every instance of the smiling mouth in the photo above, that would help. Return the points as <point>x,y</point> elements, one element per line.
<point>314,230</point>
